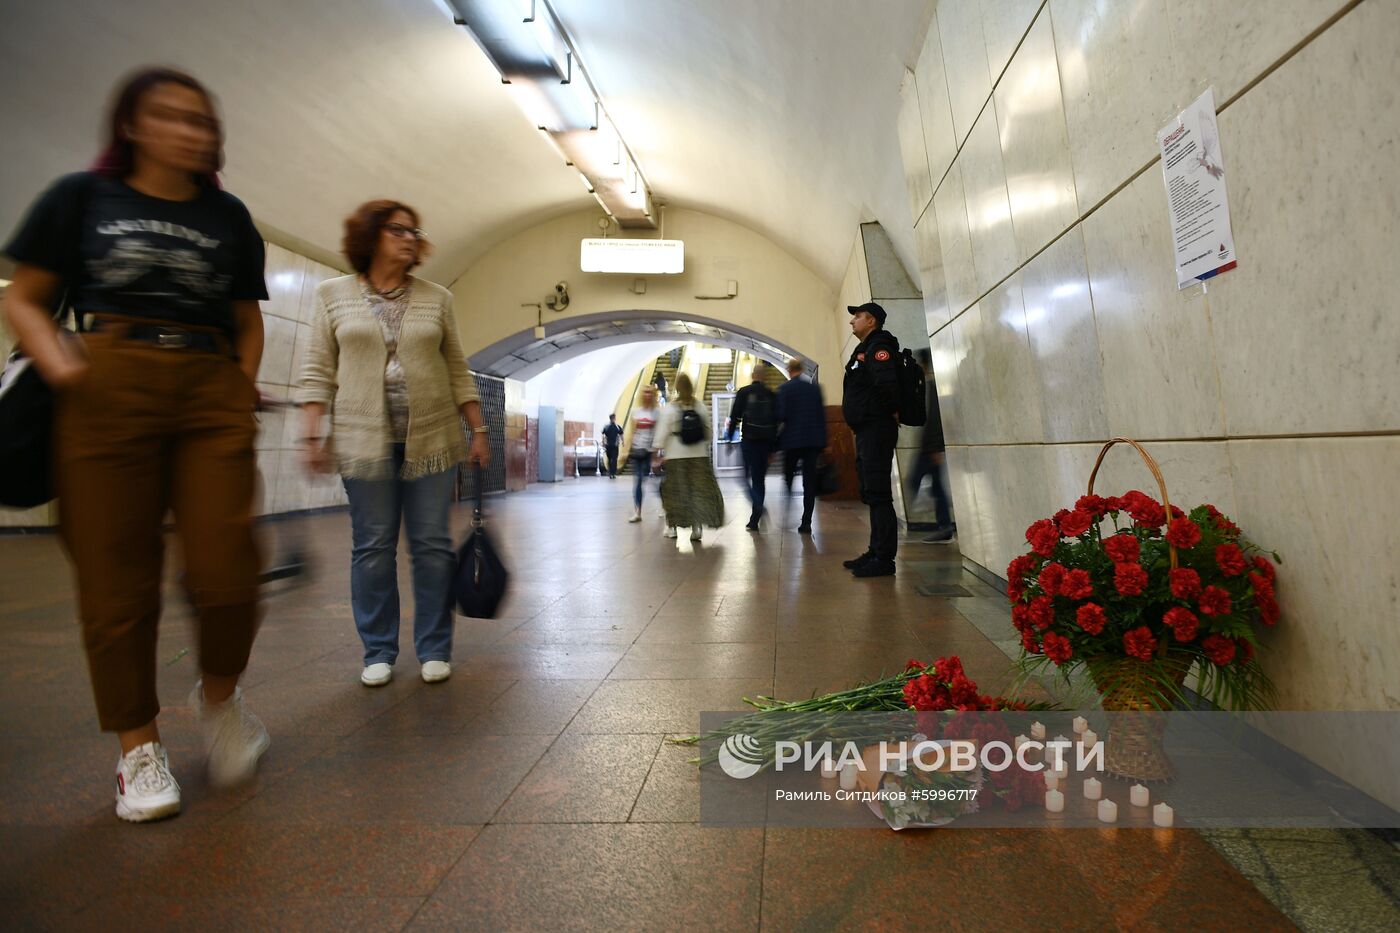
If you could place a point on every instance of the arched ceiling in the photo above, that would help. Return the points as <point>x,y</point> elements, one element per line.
<point>779,114</point>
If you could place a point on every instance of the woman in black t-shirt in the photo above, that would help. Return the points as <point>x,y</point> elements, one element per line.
<point>155,407</point>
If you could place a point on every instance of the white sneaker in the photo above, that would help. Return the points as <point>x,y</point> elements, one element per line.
<point>234,738</point>
<point>146,790</point>
<point>436,671</point>
<point>636,517</point>
<point>377,675</point>
<point>670,531</point>
<point>696,532</point>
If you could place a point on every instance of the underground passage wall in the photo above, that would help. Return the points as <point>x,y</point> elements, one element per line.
<point>1046,263</point>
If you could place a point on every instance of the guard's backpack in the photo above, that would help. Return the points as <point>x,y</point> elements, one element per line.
<point>692,428</point>
<point>913,405</point>
<point>759,421</point>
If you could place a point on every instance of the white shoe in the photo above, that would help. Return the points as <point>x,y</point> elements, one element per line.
<point>636,517</point>
<point>436,671</point>
<point>670,531</point>
<point>146,790</point>
<point>377,675</point>
<point>234,738</point>
<point>696,532</point>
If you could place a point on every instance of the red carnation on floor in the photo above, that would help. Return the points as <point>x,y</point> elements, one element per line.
<point>1091,618</point>
<point>1076,523</point>
<point>1230,559</point>
<point>1042,612</point>
<point>1096,506</point>
<point>913,664</point>
<point>1140,644</point>
<point>1246,650</point>
<point>1057,648</point>
<point>1051,576</point>
<point>1219,649</point>
<point>1186,583</point>
<point>1123,548</point>
<point>946,668</point>
<point>1264,567</point>
<point>963,691</point>
<point>1077,585</point>
<point>1183,533</point>
<point>1129,579</point>
<point>1183,622</point>
<point>1215,602</point>
<point>1043,536</point>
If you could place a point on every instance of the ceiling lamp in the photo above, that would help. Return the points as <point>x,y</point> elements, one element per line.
<point>531,50</point>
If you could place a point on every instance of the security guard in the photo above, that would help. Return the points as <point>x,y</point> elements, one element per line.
<point>871,406</point>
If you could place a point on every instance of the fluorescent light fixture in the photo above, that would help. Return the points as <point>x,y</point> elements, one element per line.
<point>636,257</point>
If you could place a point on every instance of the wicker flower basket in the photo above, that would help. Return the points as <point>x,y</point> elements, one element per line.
<point>1131,690</point>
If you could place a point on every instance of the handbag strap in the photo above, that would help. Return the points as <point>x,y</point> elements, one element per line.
<point>478,520</point>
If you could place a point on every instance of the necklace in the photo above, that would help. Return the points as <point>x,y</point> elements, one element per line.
<point>392,294</point>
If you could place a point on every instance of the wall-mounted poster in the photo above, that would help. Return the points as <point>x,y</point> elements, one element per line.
<point>1194,171</point>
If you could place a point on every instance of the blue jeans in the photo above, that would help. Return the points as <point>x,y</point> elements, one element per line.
<point>756,457</point>
<point>641,466</point>
<point>375,510</point>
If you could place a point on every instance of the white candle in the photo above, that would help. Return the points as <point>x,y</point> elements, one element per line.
<point>1108,811</point>
<point>829,769</point>
<point>1062,772</point>
<point>1054,801</point>
<point>1090,738</point>
<point>1052,780</point>
<point>1093,790</point>
<point>1162,815</point>
<point>849,773</point>
<point>1080,724</point>
<point>1020,740</point>
<point>1138,795</point>
<point>1038,731</point>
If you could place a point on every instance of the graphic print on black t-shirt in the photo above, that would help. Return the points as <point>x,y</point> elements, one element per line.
<point>124,252</point>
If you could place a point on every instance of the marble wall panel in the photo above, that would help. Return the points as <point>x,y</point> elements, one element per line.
<point>964,62</point>
<point>1305,328</point>
<point>285,273</point>
<point>955,242</point>
<point>911,146</point>
<point>1064,341</point>
<point>1035,143</point>
<point>1196,472</point>
<point>279,339</point>
<point>930,256</point>
<point>1002,350</point>
<point>1119,83</point>
<point>988,209</point>
<point>272,422</point>
<point>976,408</point>
<point>1004,22</point>
<point>945,352</point>
<point>968,515</point>
<point>315,274</point>
<point>935,107</point>
<point>983,482</point>
<point>1314,501</point>
<point>1026,496</point>
<point>1159,367</point>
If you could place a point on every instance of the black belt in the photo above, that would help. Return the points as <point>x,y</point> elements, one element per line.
<point>167,336</point>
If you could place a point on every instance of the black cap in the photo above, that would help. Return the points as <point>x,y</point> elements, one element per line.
<point>871,308</point>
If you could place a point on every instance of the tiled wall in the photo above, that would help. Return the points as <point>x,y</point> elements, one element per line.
<point>1027,133</point>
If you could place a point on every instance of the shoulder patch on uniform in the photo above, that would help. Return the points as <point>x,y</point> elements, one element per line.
<point>861,357</point>
<point>882,355</point>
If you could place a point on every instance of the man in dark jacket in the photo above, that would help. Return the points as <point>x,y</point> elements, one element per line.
<point>930,462</point>
<point>801,435</point>
<point>871,405</point>
<point>755,407</point>
<point>612,440</point>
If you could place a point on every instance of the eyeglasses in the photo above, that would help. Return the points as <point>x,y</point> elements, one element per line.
<point>402,232</point>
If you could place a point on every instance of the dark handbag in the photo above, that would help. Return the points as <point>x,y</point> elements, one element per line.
<point>828,480</point>
<point>26,436</point>
<point>480,583</point>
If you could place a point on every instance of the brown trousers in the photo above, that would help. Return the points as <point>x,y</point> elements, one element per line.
<point>151,430</point>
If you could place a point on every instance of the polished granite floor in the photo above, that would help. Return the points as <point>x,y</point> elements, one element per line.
<point>535,790</point>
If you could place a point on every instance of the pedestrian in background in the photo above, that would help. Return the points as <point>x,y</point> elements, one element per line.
<point>802,437</point>
<point>754,415</point>
<point>639,452</point>
<point>385,360</point>
<point>612,441</point>
<point>870,404</point>
<point>931,462</point>
<point>154,413</point>
<point>689,492</point>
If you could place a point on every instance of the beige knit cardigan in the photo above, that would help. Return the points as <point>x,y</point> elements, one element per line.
<point>344,370</point>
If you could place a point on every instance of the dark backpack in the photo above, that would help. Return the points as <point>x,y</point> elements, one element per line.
<point>913,403</point>
<point>759,422</point>
<point>692,428</point>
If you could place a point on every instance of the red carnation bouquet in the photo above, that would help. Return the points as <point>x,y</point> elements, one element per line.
<point>1101,584</point>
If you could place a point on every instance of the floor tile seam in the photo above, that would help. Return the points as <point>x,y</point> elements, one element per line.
<point>647,777</point>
